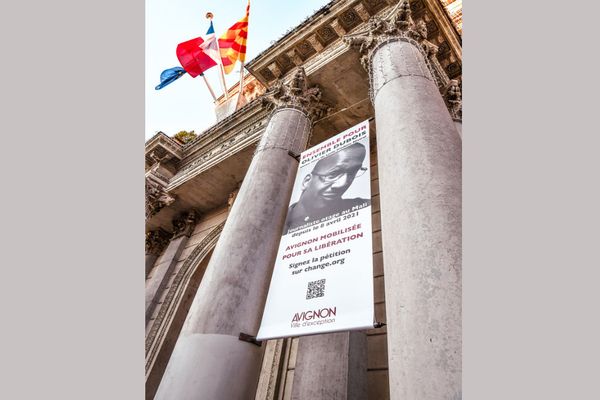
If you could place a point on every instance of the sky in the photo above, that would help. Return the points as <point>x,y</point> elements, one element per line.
<point>186,104</point>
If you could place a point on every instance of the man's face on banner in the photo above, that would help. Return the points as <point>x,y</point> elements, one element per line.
<point>332,176</point>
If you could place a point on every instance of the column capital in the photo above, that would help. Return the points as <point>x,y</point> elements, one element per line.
<point>184,224</point>
<point>453,98</point>
<point>156,241</point>
<point>297,94</point>
<point>156,197</point>
<point>397,24</point>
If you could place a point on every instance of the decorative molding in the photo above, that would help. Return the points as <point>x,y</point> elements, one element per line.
<point>296,94</point>
<point>184,224</point>
<point>218,144</point>
<point>165,143</point>
<point>343,18</point>
<point>350,19</point>
<point>293,55</point>
<point>327,35</point>
<point>157,158</point>
<point>231,122</point>
<point>161,324</point>
<point>338,28</point>
<point>453,98</point>
<point>274,68</point>
<point>156,241</point>
<point>315,43</point>
<point>362,12</point>
<point>156,197</point>
<point>301,28</point>
<point>252,90</point>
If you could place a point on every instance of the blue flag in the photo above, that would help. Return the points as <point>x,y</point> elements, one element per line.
<point>169,75</point>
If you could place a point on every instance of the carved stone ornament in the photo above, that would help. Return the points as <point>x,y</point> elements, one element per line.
<point>380,29</point>
<point>232,197</point>
<point>158,159</point>
<point>156,241</point>
<point>297,94</point>
<point>453,98</point>
<point>156,198</point>
<point>184,225</point>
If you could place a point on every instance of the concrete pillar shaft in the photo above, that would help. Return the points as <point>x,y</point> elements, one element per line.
<point>156,283</point>
<point>331,366</point>
<point>458,125</point>
<point>209,362</point>
<point>150,260</point>
<point>419,159</point>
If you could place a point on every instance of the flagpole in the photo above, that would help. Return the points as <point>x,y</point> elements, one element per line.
<point>242,62</point>
<point>209,88</point>
<point>210,16</point>
<point>222,75</point>
<point>241,83</point>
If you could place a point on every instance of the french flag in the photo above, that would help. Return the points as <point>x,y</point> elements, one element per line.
<point>198,55</point>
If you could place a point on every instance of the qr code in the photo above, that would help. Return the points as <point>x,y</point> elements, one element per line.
<point>315,289</point>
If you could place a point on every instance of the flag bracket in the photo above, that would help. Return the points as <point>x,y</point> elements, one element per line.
<point>294,155</point>
<point>379,324</point>
<point>244,337</point>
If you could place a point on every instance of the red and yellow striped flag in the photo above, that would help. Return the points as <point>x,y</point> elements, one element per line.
<point>232,44</point>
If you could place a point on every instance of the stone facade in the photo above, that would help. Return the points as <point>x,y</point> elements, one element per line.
<point>396,63</point>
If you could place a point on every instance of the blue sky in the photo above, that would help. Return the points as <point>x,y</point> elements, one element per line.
<point>186,104</point>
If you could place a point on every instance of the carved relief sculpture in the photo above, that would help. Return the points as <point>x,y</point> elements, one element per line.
<point>184,225</point>
<point>156,241</point>
<point>453,98</point>
<point>297,94</point>
<point>156,197</point>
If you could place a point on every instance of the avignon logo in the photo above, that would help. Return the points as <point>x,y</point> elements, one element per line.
<point>314,314</point>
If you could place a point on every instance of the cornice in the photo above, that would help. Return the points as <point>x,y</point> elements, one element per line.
<point>231,135</point>
<point>319,39</point>
<point>288,38</point>
<point>156,196</point>
<point>169,144</point>
<point>227,124</point>
<point>311,37</point>
<point>446,26</point>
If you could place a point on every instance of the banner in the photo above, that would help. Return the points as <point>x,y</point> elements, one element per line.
<point>323,275</point>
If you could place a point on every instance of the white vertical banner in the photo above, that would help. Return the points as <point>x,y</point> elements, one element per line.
<point>323,275</point>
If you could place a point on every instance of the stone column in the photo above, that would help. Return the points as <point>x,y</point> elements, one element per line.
<point>155,284</point>
<point>209,361</point>
<point>156,241</point>
<point>419,160</point>
<point>331,366</point>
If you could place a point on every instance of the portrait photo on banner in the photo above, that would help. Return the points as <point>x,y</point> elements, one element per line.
<point>330,185</point>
